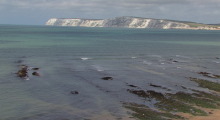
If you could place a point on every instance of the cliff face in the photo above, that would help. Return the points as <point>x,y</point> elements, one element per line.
<point>125,22</point>
<point>75,22</point>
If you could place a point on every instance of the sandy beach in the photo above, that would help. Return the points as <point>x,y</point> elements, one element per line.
<point>214,114</point>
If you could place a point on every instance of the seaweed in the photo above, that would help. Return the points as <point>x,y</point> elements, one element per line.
<point>209,75</point>
<point>168,103</point>
<point>172,105</point>
<point>140,93</point>
<point>143,112</point>
<point>207,84</point>
<point>173,102</point>
<point>195,99</point>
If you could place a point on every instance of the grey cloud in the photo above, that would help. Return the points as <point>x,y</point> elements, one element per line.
<point>69,3</point>
<point>65,4</point>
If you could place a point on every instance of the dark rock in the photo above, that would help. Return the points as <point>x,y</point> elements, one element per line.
<point>107,78</point>
<point>140,93</point>
<point>23,66</point>
<point>35,74</point>
<point>183,87</point>
<point>157,95</point>
<point>74,92</point>
<point>158,86</point>
<point>203,73</point>
<point>23,72</point>
<point>206,74</point>
<point>35,68</point>
<point>155,85</point>
<point>217,58</point>
<point>133,86</point>
<point>175,61</point>
<point>19,61</point>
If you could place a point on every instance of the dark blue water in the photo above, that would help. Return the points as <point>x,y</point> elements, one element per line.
<point>75,59</point>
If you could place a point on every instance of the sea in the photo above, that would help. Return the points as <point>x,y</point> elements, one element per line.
<point>85,73</point>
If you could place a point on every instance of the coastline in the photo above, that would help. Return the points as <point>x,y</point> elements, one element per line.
<point>131,22</point>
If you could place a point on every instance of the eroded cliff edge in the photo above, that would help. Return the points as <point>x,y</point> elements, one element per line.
<point>129,22</point>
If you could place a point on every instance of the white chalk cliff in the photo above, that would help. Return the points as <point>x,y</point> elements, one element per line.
<point>127,22</point>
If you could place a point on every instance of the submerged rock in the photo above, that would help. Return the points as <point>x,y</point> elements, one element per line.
<point>19,61</point>
<point>35,74</point>
<point>140,93</point>
<point>134,86</point>
<point>210,75</point>
<point>172,60</point>
<point>74,92</point>
<point>155,85</point>
<point>35,68</point>
<point>158,86</point>
<point>107,78</point>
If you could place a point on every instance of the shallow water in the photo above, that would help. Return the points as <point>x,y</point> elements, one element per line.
<point>75,59</point>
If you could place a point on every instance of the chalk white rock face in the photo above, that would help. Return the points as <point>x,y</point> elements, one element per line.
<point>51,21</point>
<point>70,22</point>
<point>75,22</point>
<point>139,23</point>
<point>124,22</point>
<point>175,25</point>
<point>92,23</point>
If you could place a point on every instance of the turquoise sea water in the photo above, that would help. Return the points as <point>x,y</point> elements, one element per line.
<point>75,59</point>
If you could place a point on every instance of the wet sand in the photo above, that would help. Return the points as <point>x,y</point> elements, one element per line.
<point>214,114</point>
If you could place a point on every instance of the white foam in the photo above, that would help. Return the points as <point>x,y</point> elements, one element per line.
<point>157,56</point>
<point>146,62</point>
<point>84,58</point>
<point>98,68</point>
<point>181,56</point>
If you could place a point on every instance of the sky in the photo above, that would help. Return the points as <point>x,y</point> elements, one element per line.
<point>37,12</point>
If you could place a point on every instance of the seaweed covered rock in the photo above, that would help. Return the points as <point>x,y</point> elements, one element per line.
<point>23,72</point>
<point>209,75</point>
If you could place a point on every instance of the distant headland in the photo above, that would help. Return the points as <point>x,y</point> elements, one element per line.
<point>131,22</point>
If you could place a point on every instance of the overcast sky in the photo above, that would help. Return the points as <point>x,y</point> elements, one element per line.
<point>37,12</point>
